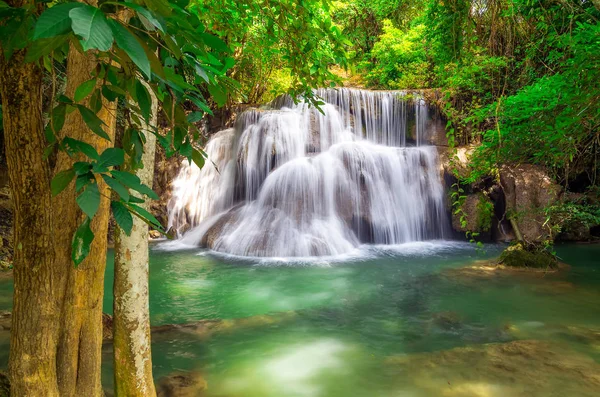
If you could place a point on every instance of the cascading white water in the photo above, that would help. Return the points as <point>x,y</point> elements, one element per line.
<point>296,181</point>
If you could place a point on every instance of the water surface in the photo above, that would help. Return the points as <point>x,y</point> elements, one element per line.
<point>383,321</point>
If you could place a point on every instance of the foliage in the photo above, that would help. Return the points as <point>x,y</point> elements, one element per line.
<point>279,45</point>
<point>568,216</point>
<point>520,79</point>
<point>153,44</point>
<point>400,58</point>
<point>362,21</point>
<point>485,213</point>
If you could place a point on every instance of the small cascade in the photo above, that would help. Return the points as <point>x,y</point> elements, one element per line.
<point>296,181</point>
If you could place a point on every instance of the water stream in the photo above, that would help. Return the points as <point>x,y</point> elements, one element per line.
<point>296,181</point>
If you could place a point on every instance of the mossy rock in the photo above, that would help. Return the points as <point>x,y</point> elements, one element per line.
<point>528,256</point>
<point>4,385</point>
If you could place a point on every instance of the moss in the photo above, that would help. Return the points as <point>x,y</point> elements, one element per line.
<point>533,256</point>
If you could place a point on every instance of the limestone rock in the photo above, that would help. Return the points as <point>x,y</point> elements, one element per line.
<point>213,233</point>
<point>478,211</point>
<point>165,171</point>
<point>528,190</point>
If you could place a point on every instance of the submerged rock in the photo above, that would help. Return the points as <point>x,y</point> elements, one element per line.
<point>202,328</point>
<point>525,368</point>
<point>447,320</point>
<point>181,384</point>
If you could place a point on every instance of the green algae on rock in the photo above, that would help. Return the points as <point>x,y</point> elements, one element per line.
<point>528,256</point>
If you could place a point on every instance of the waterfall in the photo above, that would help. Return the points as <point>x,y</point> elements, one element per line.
<point>294,180</point>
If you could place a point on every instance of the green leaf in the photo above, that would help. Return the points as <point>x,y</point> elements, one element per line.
<point>82,181</point>
<point>162,7</point>
<point>42,47</point>
<point>76,146</point>
<point>110,157</point>
<point>92,26</point>
<point>127,42</point>
<point>84,89</point>
<point>82,240</point>
<point>194,117</point>
<point>146,216</point>
<point>143,99</point>
<point>198,158</point>
<point>218,94</point>
<point>133,182</point>
<point>55,21</point>
<point>149,15</point>
<point>61,181</point>
<point>96,101</point>
<point>122,216</point>
<point>58,117</point>
<point>117,187</point>
<point>93,122</point>
<point>82,167</point>
<point>215,42</point>
<point>89,200</point>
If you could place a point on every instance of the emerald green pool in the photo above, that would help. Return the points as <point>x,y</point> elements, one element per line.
<point>395,321</point>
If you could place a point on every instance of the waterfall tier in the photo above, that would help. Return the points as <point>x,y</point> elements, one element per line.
<point>296,181</point>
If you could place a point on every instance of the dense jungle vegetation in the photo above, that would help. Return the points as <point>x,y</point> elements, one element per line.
<point>89,88</point>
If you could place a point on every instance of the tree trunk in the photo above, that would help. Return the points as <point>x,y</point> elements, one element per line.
<point>38,279</point>
<point>80,344</point>
<point>56,336</point>
<point>133,362</point>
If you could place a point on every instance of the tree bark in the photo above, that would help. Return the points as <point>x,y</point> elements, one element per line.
<point>132,354</point>
<point>56,335</point>
<point>80,344</point>
<point>38,279</point>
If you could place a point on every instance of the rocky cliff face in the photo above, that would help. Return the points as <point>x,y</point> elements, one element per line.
<point>528,190</point>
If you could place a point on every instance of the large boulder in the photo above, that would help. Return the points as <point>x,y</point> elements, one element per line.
<point>528,191</point>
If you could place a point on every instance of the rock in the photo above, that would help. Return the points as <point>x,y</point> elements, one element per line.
<point>528,256</point>
<point>165,171</point>
<point>107,327</point>
<point>478,212</point>
<point>528,190</point>
<point>4,385</point>
<point>154,234</point>
<point>447,320</point>
<point>455,164</point>
<point>215,231</point>
<point>517,369</point>
<point>182,384</point>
